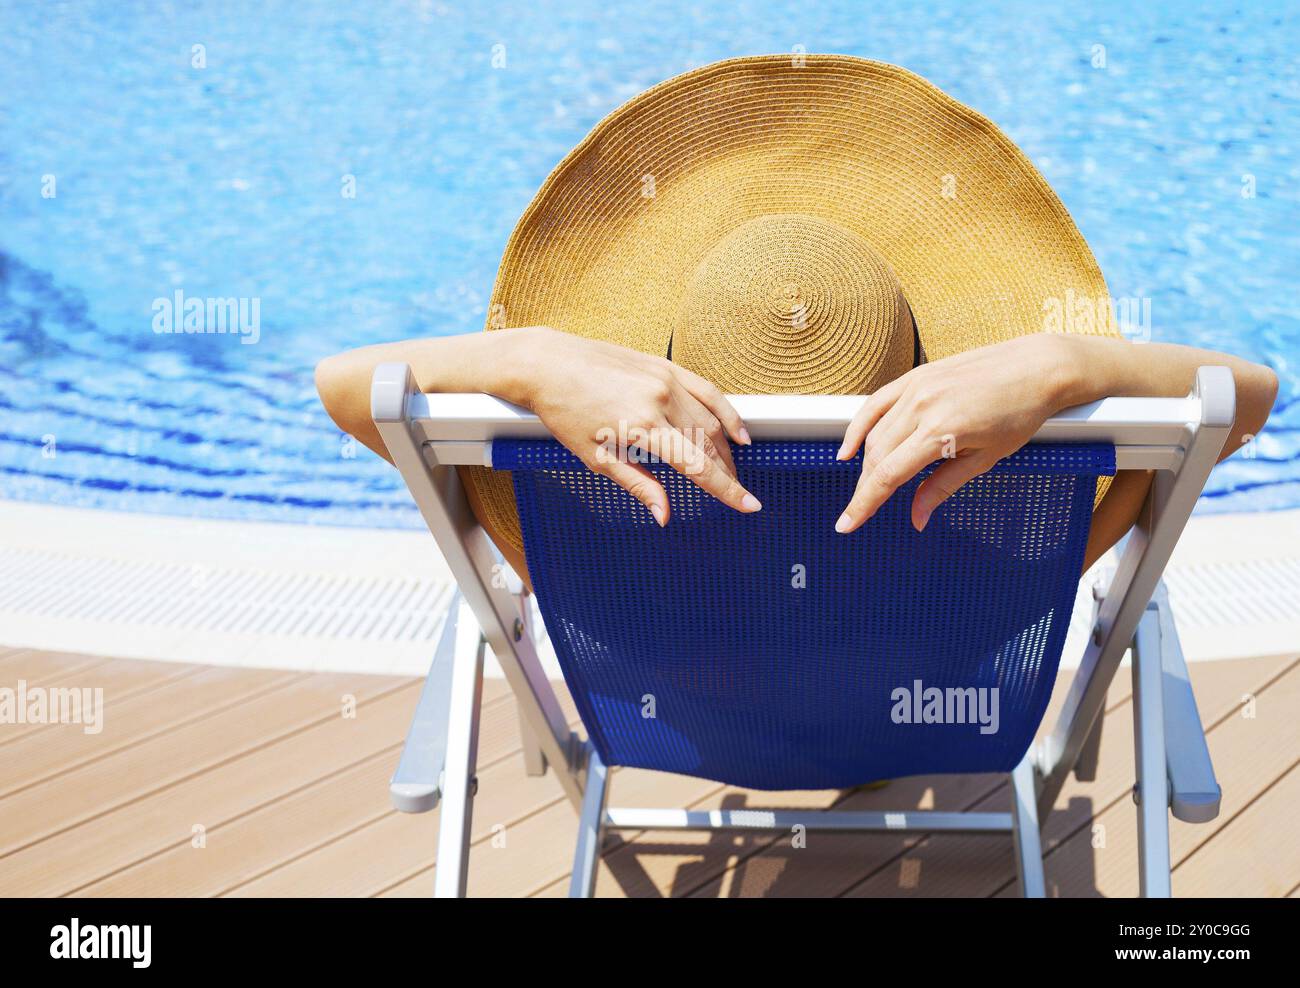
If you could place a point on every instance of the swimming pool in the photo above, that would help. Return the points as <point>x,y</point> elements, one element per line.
<point>355,170</point>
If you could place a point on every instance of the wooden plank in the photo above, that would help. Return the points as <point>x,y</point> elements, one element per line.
<point>829,864</point>
<point>8,654</point>
<point>279,803</point>
<point>104,846</point>
<point>38,668</point>
<point>355,863</point>
<point>417,886</point>
<point>505,796</point>
<point>133,772</point>
<point>1253,855</point>
<point>294,801</point>
<point>249,788</point>
<point>541,847</point>
<point>1259,751</point>
<point>47,756</point>
<point>502,843</point>
<point>959,866</point>
<point>258,842</point>
<point>120,679</point>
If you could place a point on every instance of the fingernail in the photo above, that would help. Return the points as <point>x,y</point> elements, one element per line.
<point>840,454</point>
<point>843,524</point>
<point>658,512</point>
<point>751,503</point>
<point>925,520</point>
<point>744,436</point>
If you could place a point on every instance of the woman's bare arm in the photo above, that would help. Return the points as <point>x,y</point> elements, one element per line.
<point>578,388</point>
<point>471,363</point>
<point>987,403</point>
<point>1165,370</point>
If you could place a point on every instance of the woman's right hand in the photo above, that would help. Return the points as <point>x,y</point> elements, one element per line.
<point>600,400</point>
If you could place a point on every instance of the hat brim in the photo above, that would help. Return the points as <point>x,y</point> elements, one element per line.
<point>982,246</point>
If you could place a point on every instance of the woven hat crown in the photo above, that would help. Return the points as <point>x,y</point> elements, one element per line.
<point>792,304</point>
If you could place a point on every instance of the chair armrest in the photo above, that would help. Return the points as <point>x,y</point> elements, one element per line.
<point>1194,793</point>
<point>416,786</point>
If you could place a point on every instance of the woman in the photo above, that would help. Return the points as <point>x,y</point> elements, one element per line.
<point>816,225</point>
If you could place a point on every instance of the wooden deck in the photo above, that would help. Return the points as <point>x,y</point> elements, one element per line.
<point>215,781</point>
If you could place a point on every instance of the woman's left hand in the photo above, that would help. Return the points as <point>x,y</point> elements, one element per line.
<point>971,409</point>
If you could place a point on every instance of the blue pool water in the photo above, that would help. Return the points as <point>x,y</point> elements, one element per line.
<point>226,180</point>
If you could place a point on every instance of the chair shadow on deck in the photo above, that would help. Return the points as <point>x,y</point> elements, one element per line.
<point>771,864</point>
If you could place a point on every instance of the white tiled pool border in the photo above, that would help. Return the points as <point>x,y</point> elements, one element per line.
<point>366,600</point>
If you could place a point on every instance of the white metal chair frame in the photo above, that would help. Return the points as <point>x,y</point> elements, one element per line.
<point>428,435</point>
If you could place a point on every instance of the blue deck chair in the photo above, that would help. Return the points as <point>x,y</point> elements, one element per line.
<point>769,652</point>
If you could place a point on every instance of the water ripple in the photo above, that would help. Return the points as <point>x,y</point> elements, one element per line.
<point>1175,156</point>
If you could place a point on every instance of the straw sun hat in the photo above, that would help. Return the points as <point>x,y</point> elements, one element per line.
<point>791,224</point>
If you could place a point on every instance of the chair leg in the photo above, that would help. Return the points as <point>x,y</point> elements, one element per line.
<point>1024,830</point>
<point>1152,790</point>
<point>534,757</point>
<point>451,871</point>
<point>591,829</point>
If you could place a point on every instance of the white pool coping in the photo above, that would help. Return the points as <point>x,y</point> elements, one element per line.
<point>318,598</point>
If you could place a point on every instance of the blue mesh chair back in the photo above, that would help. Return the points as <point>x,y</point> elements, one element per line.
<point>769,651</point>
